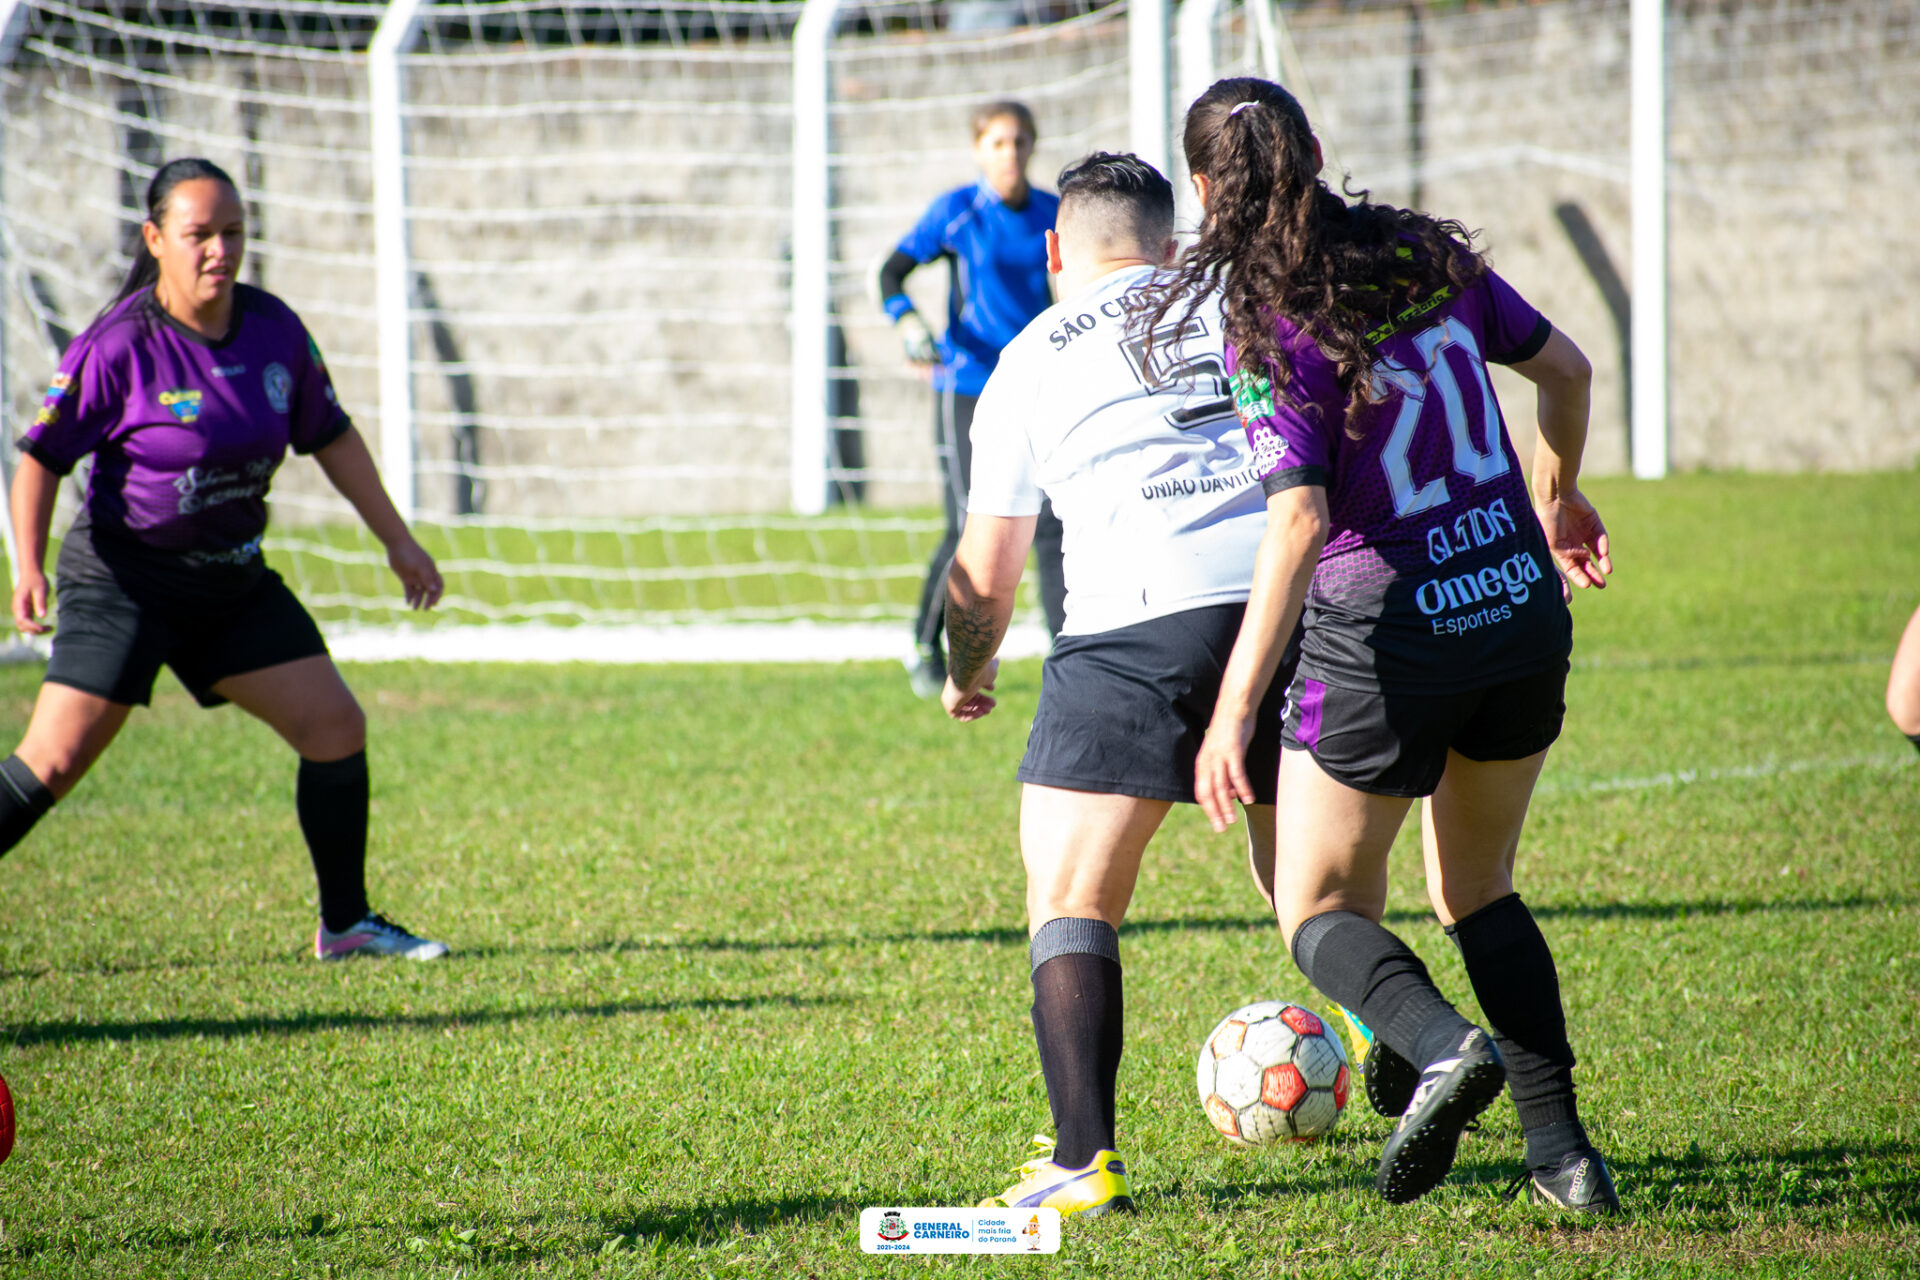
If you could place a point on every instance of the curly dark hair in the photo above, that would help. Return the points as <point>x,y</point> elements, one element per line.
<point>1278,243</point>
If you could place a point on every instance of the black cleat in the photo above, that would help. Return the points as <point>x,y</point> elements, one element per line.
<point>1451,1092</point>
<point>1580,1183</point>
<point>1390,1079</point>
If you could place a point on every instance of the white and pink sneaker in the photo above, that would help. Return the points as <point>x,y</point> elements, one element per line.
<point>374,935</point>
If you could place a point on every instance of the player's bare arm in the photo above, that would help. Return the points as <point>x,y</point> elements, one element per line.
<point>1903,682</point>
<point>350,468</point>
<point>1563,380</point>
<point>1297,521</point>
<point>34,490</point>
<point>980,594</point>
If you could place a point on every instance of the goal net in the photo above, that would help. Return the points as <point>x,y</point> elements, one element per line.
<point>600,250</point>
<point>598,210</point>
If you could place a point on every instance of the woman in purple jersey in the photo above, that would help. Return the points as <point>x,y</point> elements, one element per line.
<point>187,391</point>
<point>1434,654</point>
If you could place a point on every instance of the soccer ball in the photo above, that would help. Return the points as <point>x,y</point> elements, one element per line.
<point>1273,1072</point>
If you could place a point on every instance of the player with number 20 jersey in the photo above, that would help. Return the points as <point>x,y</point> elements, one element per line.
<point>1436,578</point>
<point>1434,657</point>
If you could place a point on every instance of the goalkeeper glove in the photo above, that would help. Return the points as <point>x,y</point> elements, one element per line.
<point>916,338</point>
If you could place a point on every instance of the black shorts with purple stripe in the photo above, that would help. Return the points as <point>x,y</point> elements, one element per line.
<point>1123,712</point>
<point>1396,744</point>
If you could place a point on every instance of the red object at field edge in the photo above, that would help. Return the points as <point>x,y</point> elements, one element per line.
<point>6,1122</point>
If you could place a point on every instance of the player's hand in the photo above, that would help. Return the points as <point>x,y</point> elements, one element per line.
<point>417,573</point>
<point>1220,770</point>
<point>916,339</point>
<point>1577,538</point>
<point>963,706</point>
<point>30,601</point>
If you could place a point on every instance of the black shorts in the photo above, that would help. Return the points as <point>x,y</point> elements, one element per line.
<point>1123,712</point>
<point>112,646</point>
<point>1396,744</point>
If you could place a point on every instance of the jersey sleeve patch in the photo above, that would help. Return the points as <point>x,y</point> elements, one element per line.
<point>316,416</point>
<point>1252,395</point>
<point>1282,425</point>
<point>80,408</point>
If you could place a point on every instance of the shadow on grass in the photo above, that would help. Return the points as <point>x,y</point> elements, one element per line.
<point>1714,907</point>
<point>77,1031</point>
<point>1001,936</point>
<point>701,1224</point>
<point>1346,1177</point>
<point>1009,936</point>
<point>1815,1177</point>
<point>1796,1177</point>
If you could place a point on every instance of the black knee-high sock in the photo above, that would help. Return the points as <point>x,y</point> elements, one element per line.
<point>1364,967</point>
<point>1078,1026</point>
<point>24,800</point>
<point>1914,738</point>
<point>332,801</point>
<point>1513,977</point>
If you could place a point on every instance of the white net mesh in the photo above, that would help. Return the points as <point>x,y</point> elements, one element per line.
<point>95,99</point>
<point>598,205</point>
<point>1794,261</point>
<point>905,78</point>
<point>599,212</point>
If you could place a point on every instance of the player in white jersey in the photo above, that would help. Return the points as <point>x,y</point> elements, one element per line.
<point>1156,487</point>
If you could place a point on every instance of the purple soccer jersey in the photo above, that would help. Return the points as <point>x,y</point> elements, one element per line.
<point>186,433</point>
<point>1435,577</point>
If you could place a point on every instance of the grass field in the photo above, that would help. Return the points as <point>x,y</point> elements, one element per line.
<point>740,951</point>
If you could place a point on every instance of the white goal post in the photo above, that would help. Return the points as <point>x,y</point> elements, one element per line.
<point>590,277</point>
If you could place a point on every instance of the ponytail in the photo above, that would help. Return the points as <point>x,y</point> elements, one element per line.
<point>1278,244</point>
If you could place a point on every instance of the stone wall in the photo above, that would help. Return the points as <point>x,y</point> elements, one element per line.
<point>608,280</point>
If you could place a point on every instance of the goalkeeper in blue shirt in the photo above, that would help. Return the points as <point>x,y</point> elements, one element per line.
<point>992,234</point>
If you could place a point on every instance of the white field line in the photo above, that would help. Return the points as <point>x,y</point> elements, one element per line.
<point>1733,773</point>
<point>693,642</point>
<point>729,642</point>
<point>854,642</point>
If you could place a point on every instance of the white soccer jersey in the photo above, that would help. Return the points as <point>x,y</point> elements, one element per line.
<point>1149,470</point>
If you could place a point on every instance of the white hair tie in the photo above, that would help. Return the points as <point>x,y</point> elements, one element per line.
<point>1242,107</point>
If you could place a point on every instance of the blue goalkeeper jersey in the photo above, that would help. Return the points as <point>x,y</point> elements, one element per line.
<point>998,257</point>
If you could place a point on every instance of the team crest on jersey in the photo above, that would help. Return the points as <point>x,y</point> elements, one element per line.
<point>183,403</point>
<point>61,381</point>
<point>279,384</point>
<point>1252,395</point>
